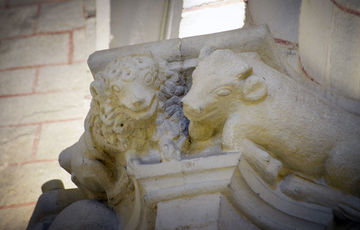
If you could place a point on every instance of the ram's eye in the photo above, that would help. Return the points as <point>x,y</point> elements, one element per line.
<point>149,78</point>
<point>223,92</point>
<point>115,88</point>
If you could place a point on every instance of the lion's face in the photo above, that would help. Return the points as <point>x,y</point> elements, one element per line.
<point>125,102</point>
<point>132,86</point>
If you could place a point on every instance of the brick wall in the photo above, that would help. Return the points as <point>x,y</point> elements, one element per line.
<point>44,95</point>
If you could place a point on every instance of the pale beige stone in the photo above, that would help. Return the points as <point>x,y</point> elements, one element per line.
<point>66,133</point>
<point>329,48</point>
<point>64,78</point>
<point>61,16</point>
<point>17,21</point>
<point>37,108</point>
<point>16,144</point>
<point>81,51</point>
<point>267,144</point>
<point>254,93</point>
<point>191,213</point>
<point>15,218</point>
<point>253,108</point>
<point>36,50</point>
<point>29,178</point>
<point>90,30</point>
<point>9,81</point>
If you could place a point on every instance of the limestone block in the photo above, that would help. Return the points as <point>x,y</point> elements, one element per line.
<point>284,25</point>
<point>37,108</point>
<point>189,177</point>
<point>193,213</point>
<point>15,218</point>
<point>9,81</point>
<point>211,211</point>
<point>329,44</point>
<point>64,78</point>
<point>29,177</point>
<point>22,2</point>
<point>248,39</point>
<point>66,134</point>
<point>34,51</point>
<point>90,29</point>
<point>16,144</point>
<point>81,51</point>
<point>90,8</point>
<point>17,21</point>
<point>61,16</point>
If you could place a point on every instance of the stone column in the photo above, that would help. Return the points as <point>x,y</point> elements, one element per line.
<point>329,44</point>
<point>282,17</point>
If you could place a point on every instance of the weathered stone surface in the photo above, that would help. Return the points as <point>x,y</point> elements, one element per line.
<point>81,51</point>
<point>91,35</point>
<point>15,218</point>
<point>22,2</point>
<point>36,108</point>
<point>61,16</point>
<point>211,211</point>
<point>20,185</point>
<point>36,50</point>
<point>90,8</point>
<point>9,81</point>
<point>65,77</point>
<point>66,134</point>
<point>24,176</point>
<point>201,212</point>
<point>254,135</point>
<point>16,144</point>
<point>17,21</point>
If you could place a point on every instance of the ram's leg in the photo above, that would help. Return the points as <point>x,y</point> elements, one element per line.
<point>343,167</point>
<point>303,190</point>
<point>266,166</point>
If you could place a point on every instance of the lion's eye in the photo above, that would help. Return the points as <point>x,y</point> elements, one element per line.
<point>149,78</point>
<point>115,88</point>
<point>223,92</point>
<point>126,75</point>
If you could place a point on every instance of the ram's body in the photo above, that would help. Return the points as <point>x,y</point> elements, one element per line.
<point>306,133</point>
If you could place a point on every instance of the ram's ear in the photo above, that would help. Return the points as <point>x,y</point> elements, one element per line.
<point>254,89</point>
